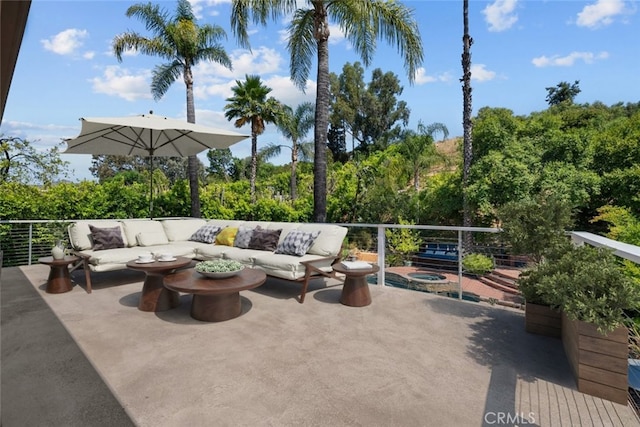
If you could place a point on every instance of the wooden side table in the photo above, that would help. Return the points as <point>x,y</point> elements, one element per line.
<point>355,292</point>
<point>59,279</point>
<point>155,297</point>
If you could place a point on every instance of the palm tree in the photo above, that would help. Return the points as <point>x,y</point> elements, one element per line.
<point>294,125</point>
<point>362,21</point>
<point>249,104</point>
<point>420,151</point>
<point>182,43</point>
<point>467,126</point>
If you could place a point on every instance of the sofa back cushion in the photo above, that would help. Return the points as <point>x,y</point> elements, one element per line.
<point>151,239</point>
<point>134,227</point>
<point>329,241</point>
<point>80,234</point>
<point>179,230</point>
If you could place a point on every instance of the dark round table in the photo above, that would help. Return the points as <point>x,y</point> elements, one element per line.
<point>215,300</point>
<point>155,297</point>
<point>59,279</point>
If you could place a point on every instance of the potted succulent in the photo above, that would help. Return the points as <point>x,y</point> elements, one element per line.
<point>591,290</point>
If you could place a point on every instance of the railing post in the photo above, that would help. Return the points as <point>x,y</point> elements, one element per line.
<point>459,264</point>
<point>30,250</point>
<point>381,255</point>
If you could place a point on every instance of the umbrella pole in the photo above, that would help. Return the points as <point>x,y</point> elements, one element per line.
<point>151,187</point>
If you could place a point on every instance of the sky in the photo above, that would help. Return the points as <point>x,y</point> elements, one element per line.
<point>66,68</point>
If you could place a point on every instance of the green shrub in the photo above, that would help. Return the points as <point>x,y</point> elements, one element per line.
<point>586,283</point>
<point>477,264</point>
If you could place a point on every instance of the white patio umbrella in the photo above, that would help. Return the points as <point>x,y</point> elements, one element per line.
<point>148,135</point>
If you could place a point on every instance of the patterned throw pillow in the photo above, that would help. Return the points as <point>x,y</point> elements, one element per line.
<point>206,234</point>
<point>297,242</point>
<point>227,236</point>
<point>243,237</point>
<point>106,238</point>
<point>265,240</point>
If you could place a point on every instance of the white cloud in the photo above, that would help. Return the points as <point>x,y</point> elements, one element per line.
<point>568,60</point>
<point>286,92</point>
<point>601,13</point>
<point>422,77</point>
<point>117,81</point>
<point>500,15</point>
<point>198,6</point>
<point>262,60</point>
<point>481,74</point>
<point>67,42</point>
<point>336,35</point>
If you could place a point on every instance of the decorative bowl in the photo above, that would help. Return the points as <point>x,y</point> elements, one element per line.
<point>223,275</point>
<point>219,269</point>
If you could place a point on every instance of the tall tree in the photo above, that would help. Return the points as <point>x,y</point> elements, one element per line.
<point>183,43</point>
<point>467,125</point>
<point>562,93</point>
<point>21,162</point>
<point>362,21</point>
<point>295,124</point>
<point>220,163</point>
<point>250,105</point>
<point>368,111</point>
<point>419,149</point>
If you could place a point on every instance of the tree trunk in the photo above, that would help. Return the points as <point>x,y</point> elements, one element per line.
<point>254,160</point>
<point>322,114</point>
<point>192,167</point>
<point>294,166</point>
<point>467,126</point>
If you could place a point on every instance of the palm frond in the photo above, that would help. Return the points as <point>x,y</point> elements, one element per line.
<point>258,12</point>
<point>163,77</point>
<point>154,18</point>
<point>301,45</point>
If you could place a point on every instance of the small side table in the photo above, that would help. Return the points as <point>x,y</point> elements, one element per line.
<point>59,279</point>
<point>355,292</point>
<point>155,297</point>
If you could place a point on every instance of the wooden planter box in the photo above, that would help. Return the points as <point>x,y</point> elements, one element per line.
<point>542,320</point>
<point>599,362</point>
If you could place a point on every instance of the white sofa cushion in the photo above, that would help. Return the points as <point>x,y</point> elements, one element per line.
<point>287,267</point>
<point>151,239</point>
<point>181,229</point>
<point>329,241</point>
<point>133,227</point>
<point>80,234</point>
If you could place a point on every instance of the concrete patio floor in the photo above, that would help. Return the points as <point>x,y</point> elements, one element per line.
<point>408,359</point>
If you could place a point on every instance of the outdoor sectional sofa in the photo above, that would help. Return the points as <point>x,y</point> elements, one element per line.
<point>174,236</point>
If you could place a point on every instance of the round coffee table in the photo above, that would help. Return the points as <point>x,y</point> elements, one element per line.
<point>215,300</point>
<point>59,279</point>
<point>155,297</point>
<point>355,292</point>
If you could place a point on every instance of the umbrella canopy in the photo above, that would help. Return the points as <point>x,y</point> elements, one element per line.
<point>147,135</point>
